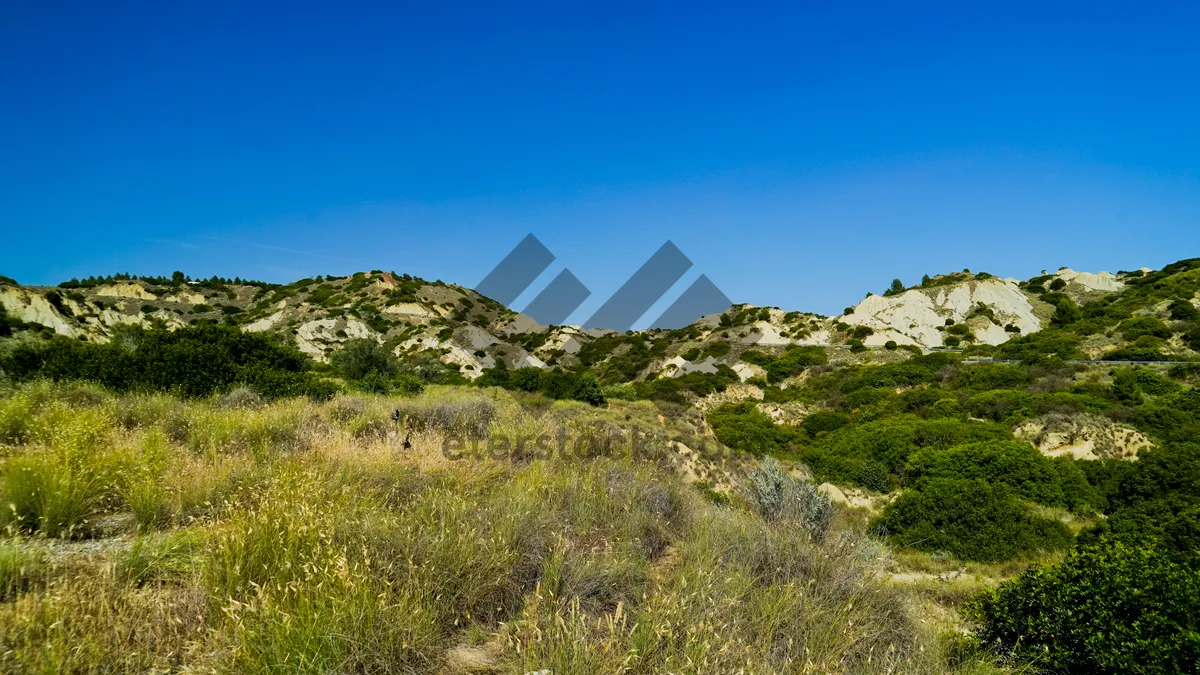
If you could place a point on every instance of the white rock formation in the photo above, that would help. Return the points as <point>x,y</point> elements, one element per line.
<point>1100,281</point>
<point>34,308</point>
<point>913,317</point>
<point>125,290</point>
<point>410,309</point>
<point>185,298</point>
<point>265,323</point>
<point>678,366</point>
<point>312,335</point>
<point>748,371</point>
<point>766,334</point>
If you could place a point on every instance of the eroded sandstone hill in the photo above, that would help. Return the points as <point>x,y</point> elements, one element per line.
<point>1151,311</point>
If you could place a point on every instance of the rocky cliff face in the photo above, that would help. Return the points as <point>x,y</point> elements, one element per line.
<point>991,309</point>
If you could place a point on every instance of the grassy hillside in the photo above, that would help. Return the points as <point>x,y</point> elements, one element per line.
<point>456,488</point>
<point>148,533</point>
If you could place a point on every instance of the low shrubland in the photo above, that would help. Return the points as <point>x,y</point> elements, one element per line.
<point>194,361</point>
<point>150,533</point>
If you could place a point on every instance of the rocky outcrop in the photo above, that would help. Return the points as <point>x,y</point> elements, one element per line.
<point>919,316</point>
<point>32,307</point>
<point>125,290</point>
<point>678,366</point>
<point>1100,281</point>
<point>320,337</point>
<point>410,309</point>
<point>1083,437</point>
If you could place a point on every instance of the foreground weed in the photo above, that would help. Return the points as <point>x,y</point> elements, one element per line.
<point>22,563</point>
<point>159,557</point>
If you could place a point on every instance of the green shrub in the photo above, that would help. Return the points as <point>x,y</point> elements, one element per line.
<point>777,495</point>
<point>946,407</point>
<point>1001,405</point>
<point>619,392</point>
<point>374,382</point>
<point>824,422</point>
<point>1104,609</point>
<point>742,426</point>
<point>554,384</point>
<point>987,376</point>
<point>793,360</point>
<point>194,361</point>
<point>970,519</point>
<point>357,358</point>
<point>874,476</point>
<point>1183,310</point>
<point>407,385</point>
<point>1066,312</point>
<point>1014,464</point>
<point>715,348</point>
<point>890,441</point>
<point>1131,329</point>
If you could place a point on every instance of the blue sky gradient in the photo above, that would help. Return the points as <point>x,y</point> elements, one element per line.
<point>799,155</point>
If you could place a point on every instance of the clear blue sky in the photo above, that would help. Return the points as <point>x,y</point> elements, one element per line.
<point>801,156</point>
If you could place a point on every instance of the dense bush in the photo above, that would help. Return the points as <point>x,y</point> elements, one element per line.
<point>823,422</point>
<point>841,455</point>
<point>1184,310</point>
<point>1109,608</point>
<point>1131,329</point>
<point>193,361</point>
<point>554,384</point>
<point>743,426</point>
<point>793,360</point>
<point>1017,465</point>
<point>1042,345</point>
<point>987,376</point>
<point>1066,312</point>
<point>358,358</point>
<point>1172,417</point>
<point>970,519</point>
<point>370,367</point>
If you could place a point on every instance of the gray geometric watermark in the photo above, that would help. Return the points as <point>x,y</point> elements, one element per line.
<point>566,293</point>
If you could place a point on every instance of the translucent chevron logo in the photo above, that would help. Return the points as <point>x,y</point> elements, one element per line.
<point>566,293</point>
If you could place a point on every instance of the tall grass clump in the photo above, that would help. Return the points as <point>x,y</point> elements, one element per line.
<point>159,557</point>
<point>736,595</point>
<point>300,596</point>
<point>15,414</point>
<point>264,433</point>
<point>21,564</point>
<point>470,417</point>
<point>92,623</point>
<point>141,411</point>
<point>65,475</point>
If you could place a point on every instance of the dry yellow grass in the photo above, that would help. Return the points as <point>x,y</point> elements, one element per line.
<point>146,534</point>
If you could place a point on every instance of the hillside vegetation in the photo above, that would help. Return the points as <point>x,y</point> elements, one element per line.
<point>457,489</point>
<point>146,533</point>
